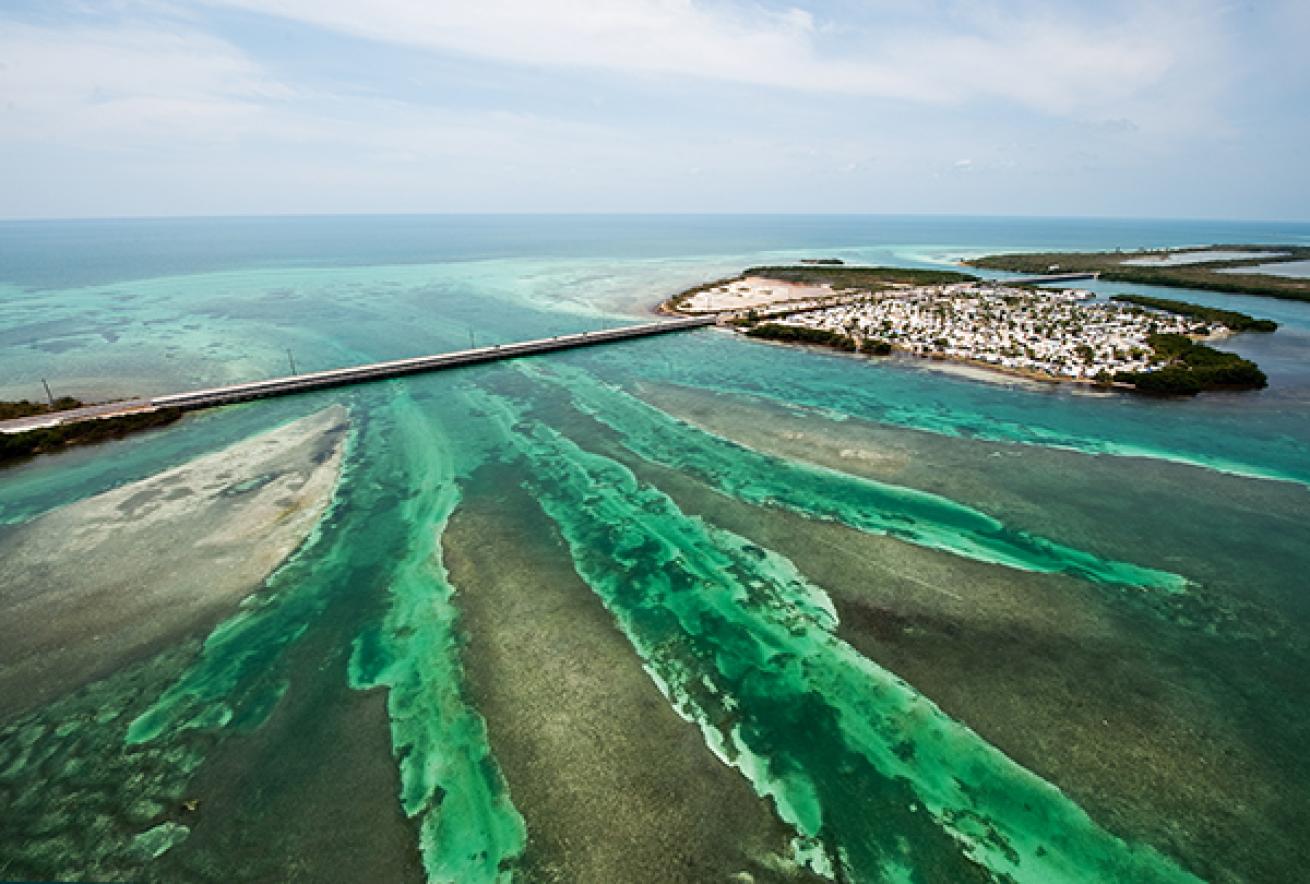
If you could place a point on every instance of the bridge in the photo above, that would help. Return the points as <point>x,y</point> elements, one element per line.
<point>339,377</point>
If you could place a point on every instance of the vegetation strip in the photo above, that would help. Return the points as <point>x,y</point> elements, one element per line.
<point>42,440</point>
<point>862,278</point>
<point>24,408</point>
<point>1231,318</point>
<point>800,334</point>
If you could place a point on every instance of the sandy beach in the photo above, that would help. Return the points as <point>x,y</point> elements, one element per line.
<point>750,293</point>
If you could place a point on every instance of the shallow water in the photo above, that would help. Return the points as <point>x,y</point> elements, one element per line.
<point>941,629</point>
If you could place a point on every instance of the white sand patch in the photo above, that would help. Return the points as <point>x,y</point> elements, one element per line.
<point>752,292</point>
<point>88,587</point>
<point>988,375</point>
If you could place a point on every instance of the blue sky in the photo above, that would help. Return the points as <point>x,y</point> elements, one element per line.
<point>1163,108</point>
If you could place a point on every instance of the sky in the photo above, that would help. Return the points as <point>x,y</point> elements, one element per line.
<point>1129,108</point>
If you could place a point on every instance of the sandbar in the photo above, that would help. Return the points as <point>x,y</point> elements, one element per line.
<point>91,586</point>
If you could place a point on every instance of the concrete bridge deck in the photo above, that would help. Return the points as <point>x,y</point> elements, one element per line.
<point>338,377</point>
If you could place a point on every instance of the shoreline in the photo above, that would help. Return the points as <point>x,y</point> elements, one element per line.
<point>751,302</point>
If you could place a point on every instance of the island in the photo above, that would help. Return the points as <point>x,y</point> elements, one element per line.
<point>1259,269</point>
<point>1058,335</point>
<point>20,444</point>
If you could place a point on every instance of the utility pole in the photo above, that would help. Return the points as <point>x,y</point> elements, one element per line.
<point>292,360</point>
<point>48,394</point>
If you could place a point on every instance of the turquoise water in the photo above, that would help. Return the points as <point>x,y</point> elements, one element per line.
<point>1059,636</point>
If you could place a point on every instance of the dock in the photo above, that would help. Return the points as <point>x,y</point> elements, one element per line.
<point>194,400</point>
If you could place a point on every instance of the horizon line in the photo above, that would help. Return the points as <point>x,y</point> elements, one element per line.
<point>234,216</point>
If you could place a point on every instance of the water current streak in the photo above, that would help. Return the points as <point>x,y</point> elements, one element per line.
<point>856,760</point>
<point>397,492</point>
<point>469,829</point>
<point>874,507</point>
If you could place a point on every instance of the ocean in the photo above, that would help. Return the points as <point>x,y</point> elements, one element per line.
<point>680,608</point>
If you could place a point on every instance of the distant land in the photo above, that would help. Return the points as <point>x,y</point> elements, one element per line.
<point>1148,345</point>
<point>1220,268</point>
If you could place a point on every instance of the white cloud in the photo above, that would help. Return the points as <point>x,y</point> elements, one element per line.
<point>1068,63</point>
<point>162,72</point>
<point>142,109</point>
<point>129,80</point>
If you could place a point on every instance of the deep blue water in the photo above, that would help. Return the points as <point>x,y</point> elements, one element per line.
<point>82,252</point>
